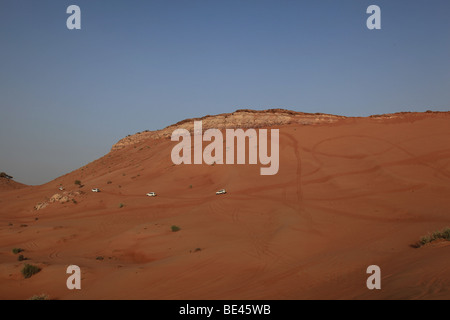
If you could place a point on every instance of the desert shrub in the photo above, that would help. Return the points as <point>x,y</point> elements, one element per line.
<point>17,250</point>
<point>175,228</point>
<point>121,205</point>
<point>21,258</point>
<point>29,270</point>
<point>424,240</point>
<point>39,297</point>
<point>78,182</point>
<point>100,258</point>
<point>109,182</point>
<point>4,175</point>
<point>444,234</point>
<point>190,186</point>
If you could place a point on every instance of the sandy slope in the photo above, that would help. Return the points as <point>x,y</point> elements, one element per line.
<point>9,184</point>
<point>347,195</point>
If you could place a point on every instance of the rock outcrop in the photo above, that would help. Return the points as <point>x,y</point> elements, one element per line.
<point>246,118</point>
<point>239,119</point>
<point>58,197</point>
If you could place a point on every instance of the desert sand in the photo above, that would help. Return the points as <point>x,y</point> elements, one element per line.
<point>349,194</point>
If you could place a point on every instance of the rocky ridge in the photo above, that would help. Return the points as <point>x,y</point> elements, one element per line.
<point>239,119</point>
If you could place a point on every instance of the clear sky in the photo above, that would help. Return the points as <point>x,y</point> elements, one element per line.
<point>67,95</point>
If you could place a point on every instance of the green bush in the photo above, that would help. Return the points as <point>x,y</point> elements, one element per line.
<point>175,228</point>
<point>121,205</point>
<point>21,258</point>
<point>78,182</point>
<point>444,234</point>
<point>17,250</point>
<point>29,270</point>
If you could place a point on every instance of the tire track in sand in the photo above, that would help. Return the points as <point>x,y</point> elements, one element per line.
<point>293,143</point>
<point>299,190</point>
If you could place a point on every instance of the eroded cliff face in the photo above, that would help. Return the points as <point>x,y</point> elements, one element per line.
<point>238,119</point>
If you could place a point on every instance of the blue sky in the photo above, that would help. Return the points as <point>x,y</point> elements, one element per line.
<point>67,95</point>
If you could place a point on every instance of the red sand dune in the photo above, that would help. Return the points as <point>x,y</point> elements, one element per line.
<point>9,184</point>
<point>349,194</point>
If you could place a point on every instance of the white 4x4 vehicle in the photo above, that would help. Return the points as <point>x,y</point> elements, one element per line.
<point>151,194</point>
<point>95,190</point>
<point>222,191</point>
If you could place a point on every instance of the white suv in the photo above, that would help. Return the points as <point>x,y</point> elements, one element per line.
<point>95,190</point>
<point>151,194</point>
<point>222,191</point>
